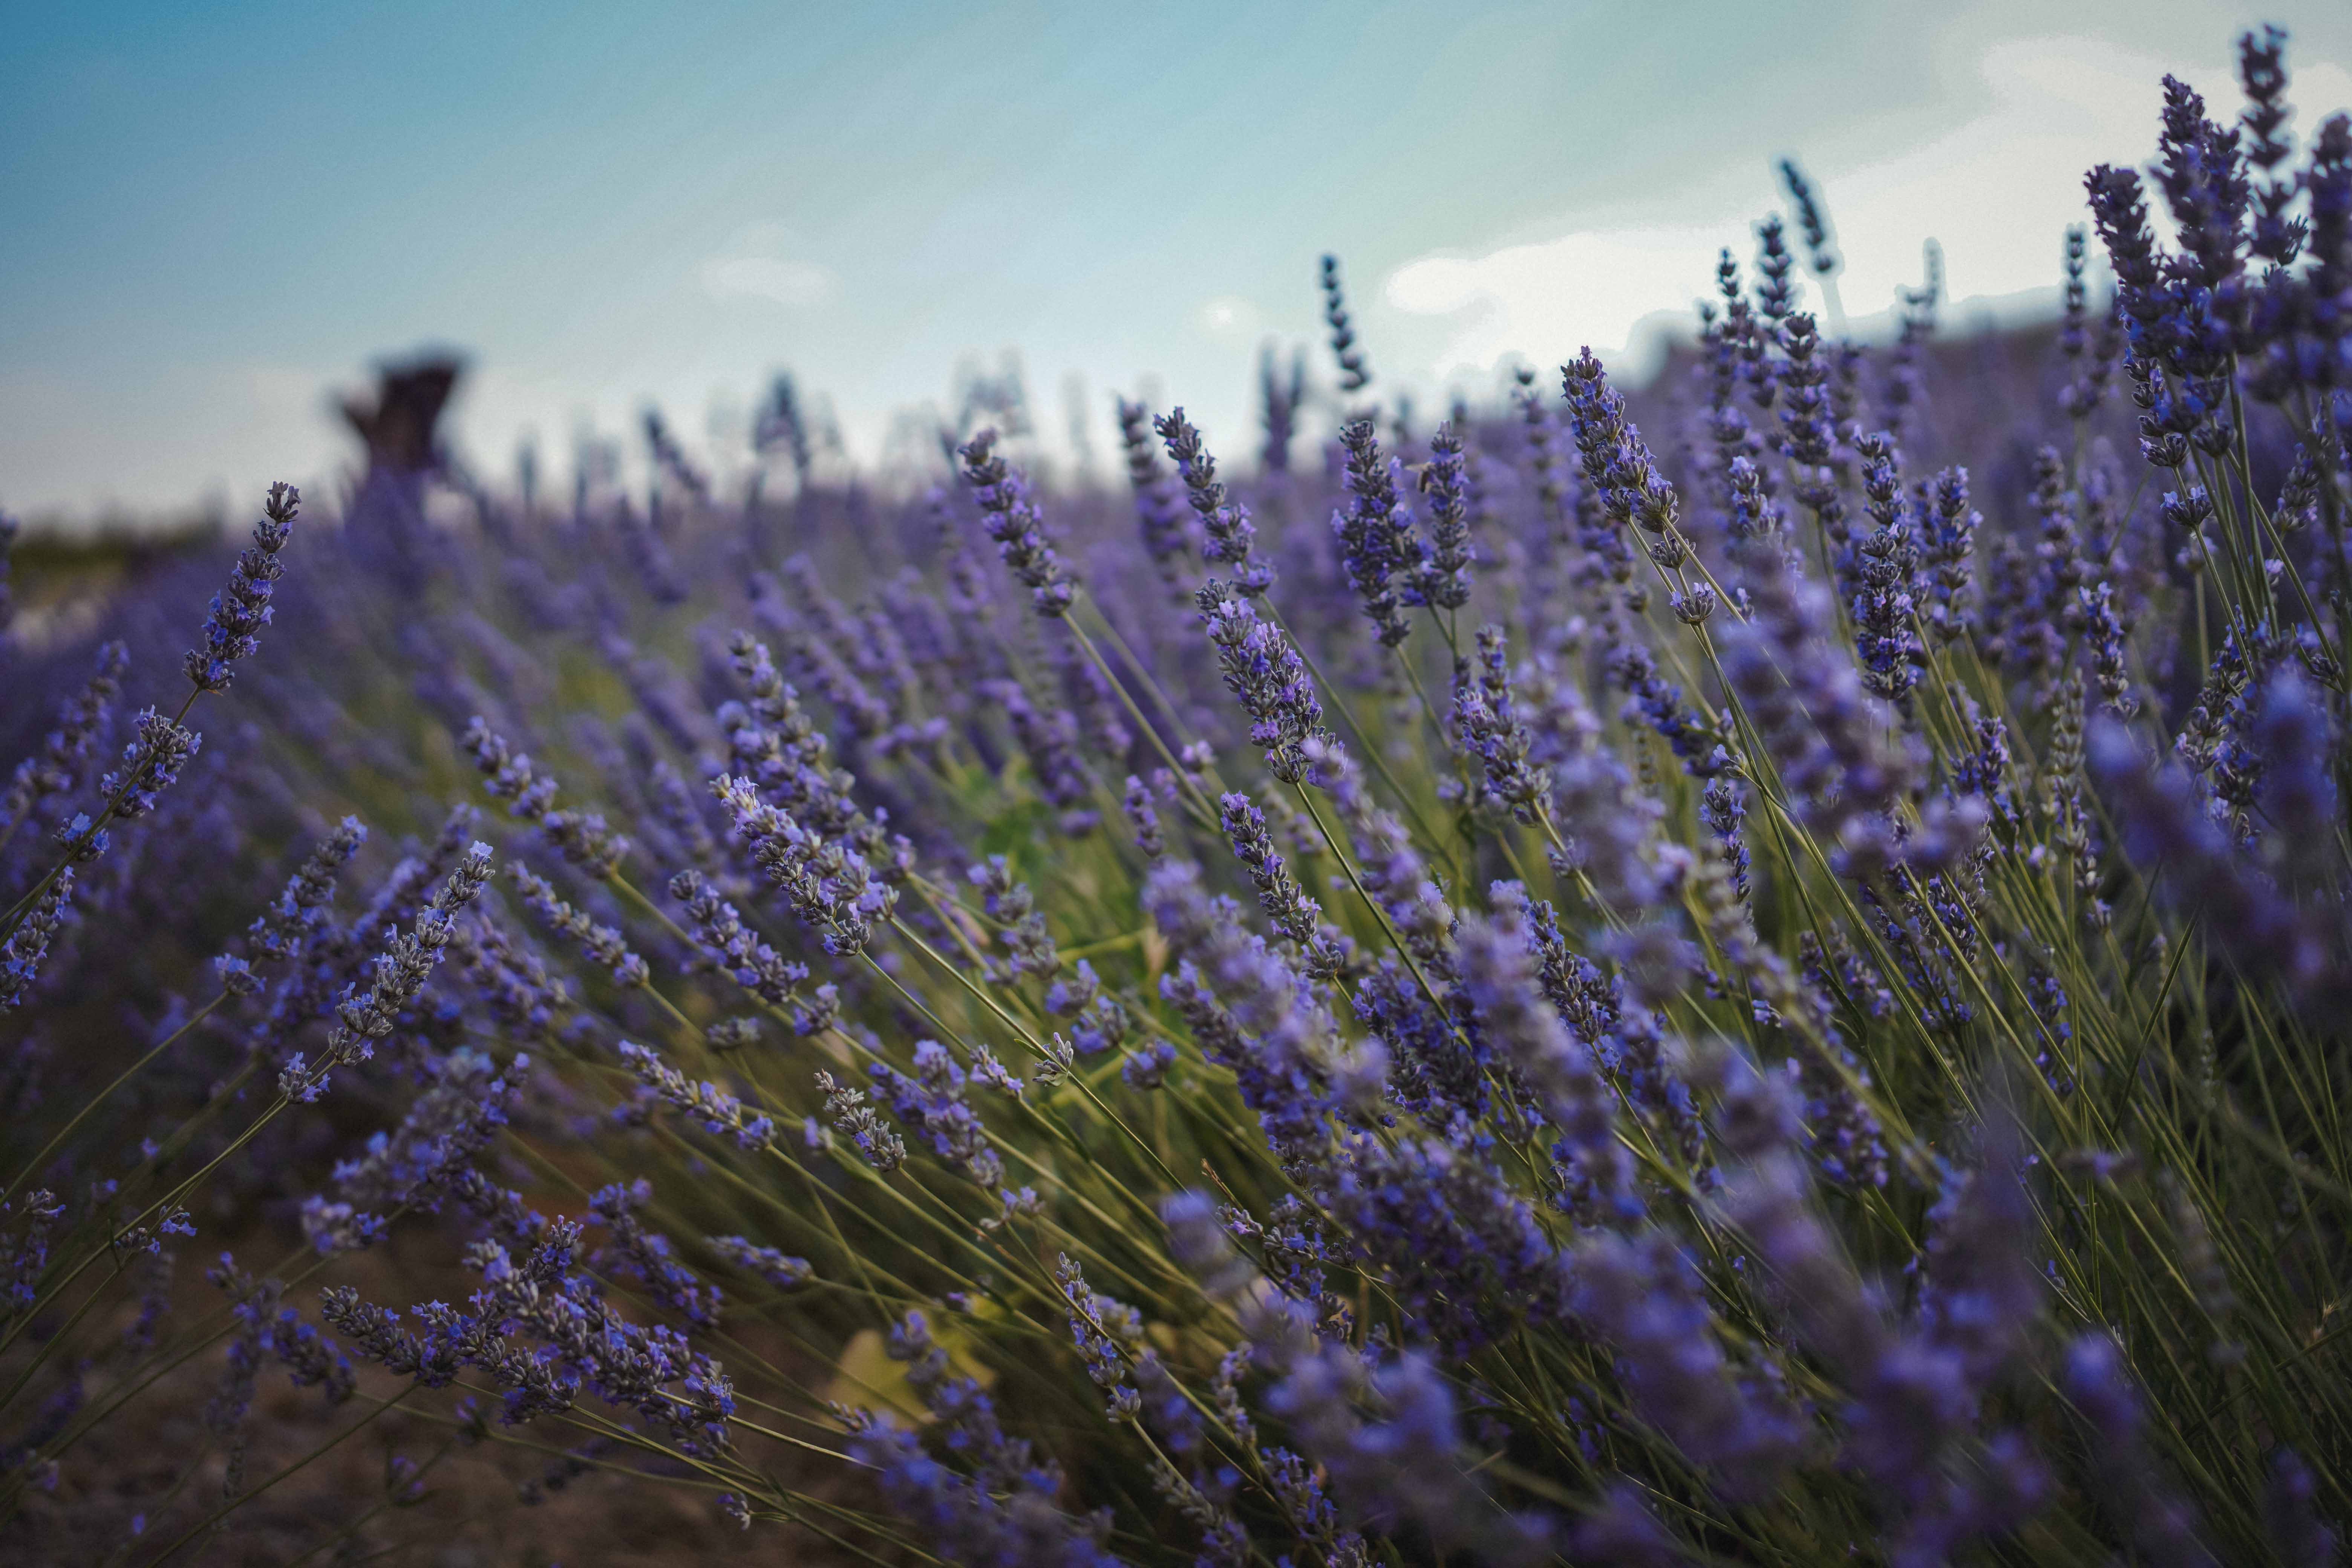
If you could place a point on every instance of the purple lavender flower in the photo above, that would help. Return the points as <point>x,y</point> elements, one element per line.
<point>933,1103</point>
<point>1146,1067</point>
<point>400,973</point>
<point>151,764</point>
<point>1014,523</point>
<point>1230,536</point>
<point>762,1262</point>
<point>1050,741</point>
<point>1827,737</point>
<point>1642,1297</point>
<point>1723,808</point>
<point>265,1331</point>
<point>755,965</point>
<point>1949,524</point>
<point>1488,724</point>
<point>1917,306</point>
<point>21,955</point>
<point>2159,1522</point>
<point>1396,1465</point>
<point>26,1257</point>
<point>1247,1009</point>
<point>1293,912</point>
<point>2290,1512</point>
<point>1657,704</point>
<point>647,1256</point>
<point>2204,185</point>
<point>1377,544</point>
<point>2275,237</point>
<point>281,931</point>
<point>2091,360</point>
<point>2162,824</point>
<point>714,1110</point>
<point>846,1112</point>
<point>1279,400</point>
<point>1776,296</point>
<point>1098,1022</point>
<point>829,884</point>
<point>2109,658</point>
<point>243,608</point>
<point>1020,924</point>
<point>1264,673</point>
<point>57,769</point>
<point>1144,818</point>
<point>1812,223</point>
<point>1499,980</point>
<point>585,1343</point>
<point>581,836</point>
<point>670,458</point>
<point>1886,608</point>
<point>823,640</point>
<point>1443,578</point>
<point>1159,513</point>
<point>1354,374</point>
<point>604,947</point>
<point>415,1164</point>
<point>1004,1511</point>
<point>1617,463</point>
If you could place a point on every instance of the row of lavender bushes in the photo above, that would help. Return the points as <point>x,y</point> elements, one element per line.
<point>1769,992</point>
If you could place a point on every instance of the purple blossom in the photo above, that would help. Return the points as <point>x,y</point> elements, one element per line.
<point>1378,551</point>
<point>583,837</point>
<point>716,1111</point>
<point>1640,1295</point>
<point>1013,521</point>
<point>65,751</point>
<point>1158,512</point>
<point>1444,573</point>
<point>1003,1512</point>
<point>1354,374</point>
<point>1229,536</point>
<point>2160,1525</point>
<point>2162,825</point>
<point>1827,737</point>
<point>243,608</point>
<point>762,1262</point>
<point>829,884</point>
<point>1264,672</point>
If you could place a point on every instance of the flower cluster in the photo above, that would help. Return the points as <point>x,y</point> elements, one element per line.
<point>1799,1021</point>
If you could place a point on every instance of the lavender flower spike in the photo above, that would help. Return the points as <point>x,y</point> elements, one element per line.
<point>1014,523</point>
<point>1443,578</point>
<point>1230,533</point>
<point>2160,1523</point>
<point>1159,514</point>
<point>1617,462</point>
<point>278,932</point>
<point>1354,374</point>
<point>828,883</point>
<point>242,609</point>
<point>1267,674</point>
<point>1377,544</point>
<point>400,973</point>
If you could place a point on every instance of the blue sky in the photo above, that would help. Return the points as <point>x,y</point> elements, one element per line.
<point>219,214</point>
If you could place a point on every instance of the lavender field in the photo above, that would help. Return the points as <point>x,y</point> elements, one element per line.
<point>1751,968</point>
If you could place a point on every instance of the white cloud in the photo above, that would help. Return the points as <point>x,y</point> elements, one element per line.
<point>757,266</point>
<point>1997,192</point>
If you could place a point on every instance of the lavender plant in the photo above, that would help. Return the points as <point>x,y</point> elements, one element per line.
<point>1800,1019</point>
